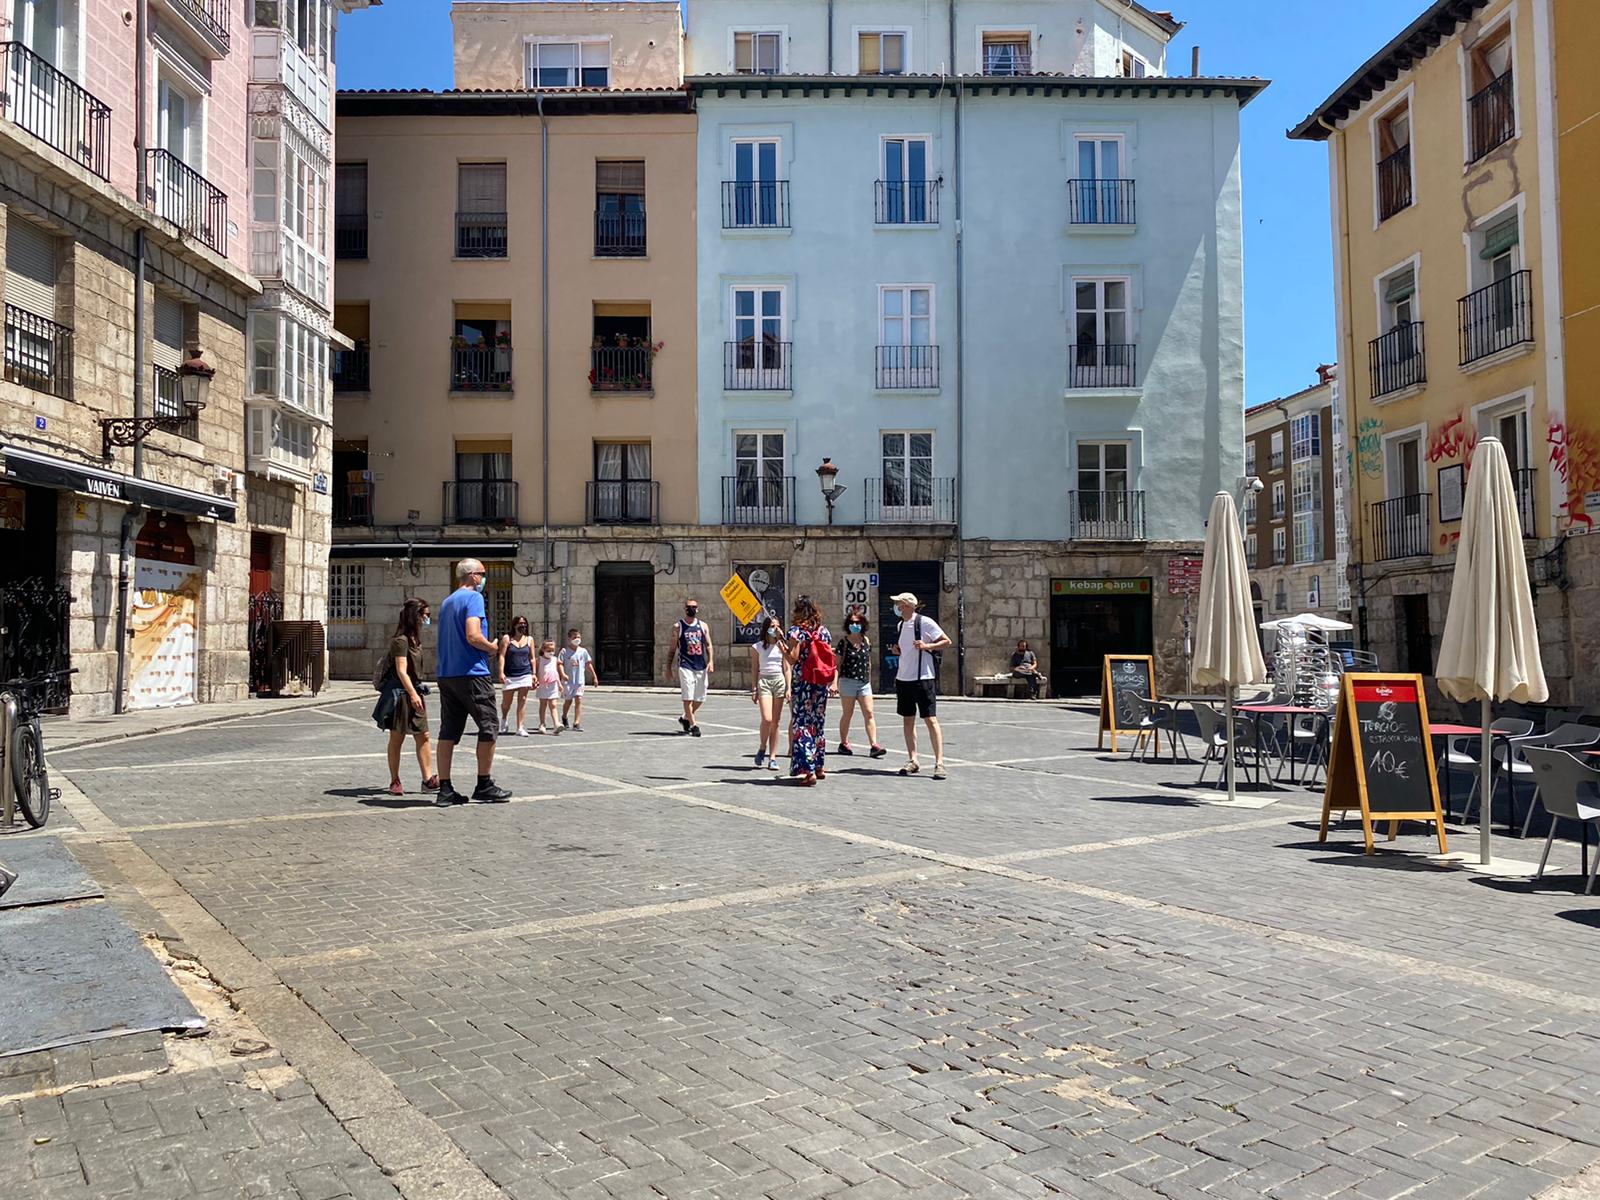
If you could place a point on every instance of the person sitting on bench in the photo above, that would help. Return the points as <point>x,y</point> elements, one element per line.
<point>1025,666</point>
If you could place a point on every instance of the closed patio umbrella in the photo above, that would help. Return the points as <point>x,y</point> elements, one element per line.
<point>1226,650</point>
<point>1491,642</point>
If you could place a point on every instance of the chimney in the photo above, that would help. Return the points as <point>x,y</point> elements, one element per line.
<point>1194,61</point>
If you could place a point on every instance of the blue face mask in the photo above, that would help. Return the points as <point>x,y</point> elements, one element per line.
<point>426,621</point>
<point>478,587</point>
<point>853,628</point>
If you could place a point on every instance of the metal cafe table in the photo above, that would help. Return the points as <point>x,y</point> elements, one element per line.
<point>1450,731</point>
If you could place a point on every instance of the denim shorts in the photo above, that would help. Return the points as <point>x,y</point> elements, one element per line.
<point>854,688</point>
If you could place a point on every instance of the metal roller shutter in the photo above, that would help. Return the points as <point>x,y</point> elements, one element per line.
<point>31,268</point>
<point>168,349</point>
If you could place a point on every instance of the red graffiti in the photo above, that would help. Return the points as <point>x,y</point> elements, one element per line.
<point>1575,457</point>
<point>1452,439</point>
<point>1448,540</point>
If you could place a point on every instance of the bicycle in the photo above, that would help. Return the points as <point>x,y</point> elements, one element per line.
<point>24,757</point>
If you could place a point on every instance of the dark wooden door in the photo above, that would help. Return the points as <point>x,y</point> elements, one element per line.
<point>1084,629</point>
<point>625,644</point>
<point>1416,632</point>
<point>922,580</point>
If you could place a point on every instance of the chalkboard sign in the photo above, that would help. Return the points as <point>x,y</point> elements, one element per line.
<point>1382,758</point>
<point>1123,677</point>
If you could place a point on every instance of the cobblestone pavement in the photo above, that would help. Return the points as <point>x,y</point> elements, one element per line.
<point>661,972</point>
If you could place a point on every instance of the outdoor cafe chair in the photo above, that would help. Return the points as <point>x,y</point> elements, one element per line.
<point>1309,730</point>
<point>1155,716</point>
<point>1463,751</point>
<point>1569,789</point>
<point>1564,737</point>
<point>1554,718</point>
<point>1246,747</point>
<point>1507,752</point>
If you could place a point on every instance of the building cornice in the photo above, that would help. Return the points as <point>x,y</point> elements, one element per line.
<point>1076,86</point>
<point>519,103</point>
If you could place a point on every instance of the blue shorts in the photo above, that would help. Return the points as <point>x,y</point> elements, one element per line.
<point>854,688</point>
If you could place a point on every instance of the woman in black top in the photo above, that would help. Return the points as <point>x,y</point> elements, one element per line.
<point>855,681</point>
<point>410,713</point>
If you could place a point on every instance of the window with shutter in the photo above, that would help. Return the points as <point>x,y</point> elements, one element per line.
<point>31,268</point>
<point>482,187</point>
<point>168,349</point>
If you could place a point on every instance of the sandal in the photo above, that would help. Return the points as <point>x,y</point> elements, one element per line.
<point>821,774</point>
<point>911,768</point>
<point>808,781</point>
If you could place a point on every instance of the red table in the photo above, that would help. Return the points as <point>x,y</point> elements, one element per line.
<point>1291,711</point>
<point>1444,730</point>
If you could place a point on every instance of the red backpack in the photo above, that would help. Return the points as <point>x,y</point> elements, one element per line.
<point>819,666</point>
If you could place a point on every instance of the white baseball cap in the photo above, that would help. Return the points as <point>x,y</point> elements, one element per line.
<point>905,598</point>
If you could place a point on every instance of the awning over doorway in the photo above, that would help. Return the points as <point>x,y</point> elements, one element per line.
<point>30,466</point>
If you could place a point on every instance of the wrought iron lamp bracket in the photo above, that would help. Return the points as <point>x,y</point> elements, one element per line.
<point>130,431</point>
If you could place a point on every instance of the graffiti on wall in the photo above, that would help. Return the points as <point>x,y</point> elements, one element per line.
<point>1454,439</point>
<point>1575,458</point>
<point>1369,445</point>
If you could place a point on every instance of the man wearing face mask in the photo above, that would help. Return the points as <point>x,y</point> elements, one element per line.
<point>693,657</point>
<point>465,688</point>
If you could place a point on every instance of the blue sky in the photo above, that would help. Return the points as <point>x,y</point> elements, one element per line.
<point>1306,49</point>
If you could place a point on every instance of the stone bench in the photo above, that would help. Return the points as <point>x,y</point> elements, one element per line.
<point>1007,686</point>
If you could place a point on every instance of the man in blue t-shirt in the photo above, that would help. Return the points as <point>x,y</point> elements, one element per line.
<point>465,687</point>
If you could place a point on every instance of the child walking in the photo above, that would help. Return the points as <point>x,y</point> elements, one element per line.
<point>769,686</point>
<point>552,676</point>
<point>516,672</point>
<point>575,660</point>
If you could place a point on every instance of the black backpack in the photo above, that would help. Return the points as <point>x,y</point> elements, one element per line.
<point>916,636</point>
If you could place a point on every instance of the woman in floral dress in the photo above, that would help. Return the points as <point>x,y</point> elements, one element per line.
<point>809,701</point>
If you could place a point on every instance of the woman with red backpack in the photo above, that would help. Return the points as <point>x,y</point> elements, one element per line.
<point>815,678</point>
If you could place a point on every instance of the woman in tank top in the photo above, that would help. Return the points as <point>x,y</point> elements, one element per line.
<point>516,673</point>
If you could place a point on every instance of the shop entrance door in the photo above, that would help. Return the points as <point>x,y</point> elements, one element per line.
<point>1089,619</point>
<point>164,647</point>
<point>625,618</point>
<point>921,579</point>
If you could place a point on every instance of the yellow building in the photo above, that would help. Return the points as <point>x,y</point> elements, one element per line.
<point>1448,277</point>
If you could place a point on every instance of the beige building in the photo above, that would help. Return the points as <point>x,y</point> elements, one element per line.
<point>1443,169</point>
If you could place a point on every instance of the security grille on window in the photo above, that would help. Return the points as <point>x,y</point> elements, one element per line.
<point>497,596</point>
<point>569,64</point>
<point>881,53</point>
<point>347,604</point>
<point>757,53</point>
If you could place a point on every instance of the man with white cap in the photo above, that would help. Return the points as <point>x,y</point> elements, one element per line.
<point>916,680</point>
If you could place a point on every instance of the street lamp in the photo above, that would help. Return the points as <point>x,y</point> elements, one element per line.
<point>194,387</point>
<point>194,380</point>
<point>831,491</point>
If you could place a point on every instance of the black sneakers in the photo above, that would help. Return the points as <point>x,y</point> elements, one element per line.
<point>488,792</point>
<point>448,796</point>
<point>694,731</point>
<point>683,723</point>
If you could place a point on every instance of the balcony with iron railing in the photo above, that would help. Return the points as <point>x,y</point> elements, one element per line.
<point>906,202</point>
<point>1400,527</point>
<point>757,366</point>
<point>1007,59</point>
<point>907,368</point>
<point>1491,117</point>
<point>1280,554</point>
<point>38,353</point>
<point>1100,201</point>
<point>1496,317</point>
<point>353,503</point>
<point>1092,365</point>
<point>755,204</point>
<point>619,234</point>
<point>758,499</point>
<point>209,18</point>
<point>481,235</point>
<point>180,194</point>
<point>168,403</point>
<point>1395,360</point>
<point>480,502</point>
<point>1105,516</point>
<point>1394,183</point>
<point>629,368</point>
<point>622,502</point>
<point>480,368</point>
<point>894,499</point>
<point>352,369</point>
<point>46,103</point>
<point>350,236</point>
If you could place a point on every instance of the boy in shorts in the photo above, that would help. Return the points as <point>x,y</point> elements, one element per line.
<point>576,660</point>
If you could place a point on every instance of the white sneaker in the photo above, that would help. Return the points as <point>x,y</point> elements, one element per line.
<point>555,729</point>
<point>521,732</point>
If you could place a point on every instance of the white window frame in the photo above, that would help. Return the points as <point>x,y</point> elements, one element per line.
<point>756,205</point>
<point>910,512</point>
<point>1388,317</point>
<point>1480,272</point>
<point>1275,459</point>
<point>903,32</point>
<point>1487,416</point>
<point>1507,20</point>
<point>530,51</point>
<point>1139,60</point>
<point>1251,551</point>
<point>67,54</point>
<point>1306,510</point>
<point>288,363</point>
<point>765,378</point>
<point>1280,548</point>
<point>1250,458</point>
<point>755,32</point>
<point>898,367</point>
<point>1405,96</point>
<point>904,215</point>
<point>1252,508</point>
<point>1279,498</point>
<point>1391,449</point>
<point>1300,447</point>
<point>174,77</point>
<point>1101,310</point>
<point>761,511</point>
<point>1013,32</point>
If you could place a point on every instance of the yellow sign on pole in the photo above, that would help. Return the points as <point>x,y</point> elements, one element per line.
<point>736,594</point>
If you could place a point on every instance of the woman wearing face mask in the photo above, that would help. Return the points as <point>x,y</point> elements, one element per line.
<point>855,682</point>
<point>410,712</point>
<point>516,675</point>
<point>808,734</point>
<point>769,685</point>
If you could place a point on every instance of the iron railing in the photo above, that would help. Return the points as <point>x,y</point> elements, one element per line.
<point>352,369</point>
<point>1492,116</point>
<point>1007,60</point>
<point>621,368</point>
<point>265,608</point>
<point>480,368</point>
<point>480,235</point>
<point>1091,365</point>
<point>906,201</point>
<point>1522,486</point>
<point>1394,183</point>
<point>350,236</point>
<point>1395,360</point>
<point>757,366</point>
<point>622,502</point>
<point>189,200</point>
<point>1496,317</point>
<point>352,502</point>
<point>1101,201</point>
<point>919,500</point>
<point>43,101</point>
<point>1105,516</point>
<point>34,617</point>
<point>480,502</point>
<point>1280,554</point>
<point>168,402</point>
<point>755,204</point>
<point>905,366</point>
<point>619,234</point>
<point>38,353</point>
<point>752,499</point>
<point>210,15</point>
<point>1400,526</point>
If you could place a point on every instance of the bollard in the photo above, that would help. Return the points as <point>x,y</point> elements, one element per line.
<point>8,786</point>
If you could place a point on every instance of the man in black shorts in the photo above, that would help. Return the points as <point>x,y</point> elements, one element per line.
<point>916,681</point>
<point>465,686</point>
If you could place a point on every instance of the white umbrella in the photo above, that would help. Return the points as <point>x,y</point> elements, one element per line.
<point>1491,642</point>
<point>1308,621</point>
<point>1226,650</point>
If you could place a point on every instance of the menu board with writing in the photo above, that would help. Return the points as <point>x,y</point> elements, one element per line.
<point>1124,680</point>
<point>1382,757</point>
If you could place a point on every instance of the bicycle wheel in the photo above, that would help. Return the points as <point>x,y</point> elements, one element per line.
<point>28,773</point>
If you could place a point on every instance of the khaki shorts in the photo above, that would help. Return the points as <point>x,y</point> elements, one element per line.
<point>772,685</point>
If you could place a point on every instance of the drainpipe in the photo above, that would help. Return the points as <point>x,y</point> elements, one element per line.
<point>140,133</point>
<point>544,353</point>
<point>830,37</point>
<point>128,515</point>
<point>961,478</point>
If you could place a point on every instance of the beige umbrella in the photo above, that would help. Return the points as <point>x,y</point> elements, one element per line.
<point>1491,642</point>
<point>1226,650</point>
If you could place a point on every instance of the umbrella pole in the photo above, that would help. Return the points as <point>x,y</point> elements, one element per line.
<point>1232,750</point>
<point>1485,786</point>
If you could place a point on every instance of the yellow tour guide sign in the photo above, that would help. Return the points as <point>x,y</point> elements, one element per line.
<point>736,594</point>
